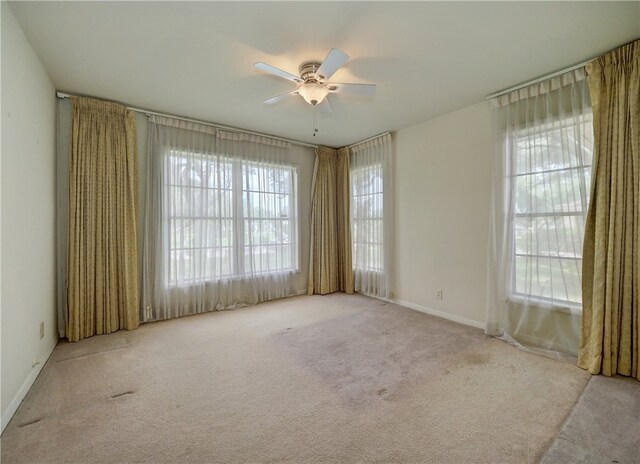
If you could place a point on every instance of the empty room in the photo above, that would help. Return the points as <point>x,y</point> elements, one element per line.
<point>320,232</point>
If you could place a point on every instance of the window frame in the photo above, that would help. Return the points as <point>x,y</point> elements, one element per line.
<point>381,220</point>
<point>237,218</point>
<point>560,304</point>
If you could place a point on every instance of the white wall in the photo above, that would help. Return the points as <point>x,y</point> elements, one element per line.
<point>442,197</point>
<point>27,170</point>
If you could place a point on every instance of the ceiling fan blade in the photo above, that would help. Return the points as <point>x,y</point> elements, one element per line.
<point>277,71</point>
<point>353,89</point>
<point>331,64</point>
<point>324,107</point>
<point>280,97</point>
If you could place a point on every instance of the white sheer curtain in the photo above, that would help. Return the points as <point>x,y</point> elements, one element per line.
<point>221,224</point>
<point>542,178</point>
<point>371,216</point>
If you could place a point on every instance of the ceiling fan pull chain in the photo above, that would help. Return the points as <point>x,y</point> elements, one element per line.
<point>315,120</point>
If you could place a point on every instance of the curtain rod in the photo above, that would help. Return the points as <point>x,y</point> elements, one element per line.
<point>366,140</point>
<point>62,95</point>
<point>554,74</point>
<point>539,79</point>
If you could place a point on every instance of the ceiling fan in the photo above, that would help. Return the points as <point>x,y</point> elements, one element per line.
<point>312,82</point>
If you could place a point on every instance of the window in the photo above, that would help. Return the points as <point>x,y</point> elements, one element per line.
<point>229,218</point>
<point>550,198</point>
<point>367,211</point>
<point>269,219</point>
<point>371,215</point>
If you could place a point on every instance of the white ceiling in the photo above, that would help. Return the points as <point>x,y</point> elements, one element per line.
<point>195,59</point>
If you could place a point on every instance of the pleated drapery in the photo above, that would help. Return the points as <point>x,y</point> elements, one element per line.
<point>221,225</point>
<point>102,279</point>
<point>330,268</point>
<point>371,216</point>
<point>611,268</point>
<point>343,210</point>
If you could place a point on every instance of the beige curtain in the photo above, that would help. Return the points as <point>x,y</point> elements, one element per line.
<point>330,267</point>
<point>611,274</point>
<point>343,210</point>
<point>102,282</point>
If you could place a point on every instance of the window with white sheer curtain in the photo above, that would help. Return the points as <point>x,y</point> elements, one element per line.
<point>542,182</point>
<point>371,221</point>
<point>221,228</point>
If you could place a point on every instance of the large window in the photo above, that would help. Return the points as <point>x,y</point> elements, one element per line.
<point>550,198</point>
<point>371,215</point>
<point>229,218</point>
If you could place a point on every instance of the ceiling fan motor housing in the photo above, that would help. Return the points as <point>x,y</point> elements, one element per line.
<point>308,70</point>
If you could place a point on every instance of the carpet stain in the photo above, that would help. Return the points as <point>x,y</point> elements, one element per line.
<point>355,353</point>
<point>474,358</point>
<point>34,421</point>
<point>381,391</point>
<point>91,354</point>
<point>118,395</point>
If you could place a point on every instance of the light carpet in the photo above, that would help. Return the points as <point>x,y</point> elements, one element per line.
<point>604,425</point>
<point>310,379</point>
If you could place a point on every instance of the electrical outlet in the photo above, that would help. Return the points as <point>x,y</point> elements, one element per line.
<point>439,295</point>
<point>41,330</point>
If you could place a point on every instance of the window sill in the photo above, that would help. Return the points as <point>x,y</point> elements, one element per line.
<point>234,278</point>
<point>567,308</point>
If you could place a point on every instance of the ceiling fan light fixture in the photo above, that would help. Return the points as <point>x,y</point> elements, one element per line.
<point>313,85</point>
<point>313,93</point>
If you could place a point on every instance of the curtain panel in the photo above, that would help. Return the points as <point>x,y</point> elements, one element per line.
<point>102,264</point>
<point>611,269</point>
<point>343,212</point>
<point>221,224</point>
<point>541,179</point>
<point>371,216</point>
<point>330,268</point>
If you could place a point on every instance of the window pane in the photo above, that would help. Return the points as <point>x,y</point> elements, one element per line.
<point>284,232</point>
<point>555,145</point>
<point>548,278</point>
<point>283,206</point>
<point>558,191</point>
<point>533,276</point>
<point>572,277</point>
<point>559,236</point>
<point>219,175</point>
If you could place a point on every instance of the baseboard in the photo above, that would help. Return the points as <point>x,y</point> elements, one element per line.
<point>442,314</point>
<point>24,389</point>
